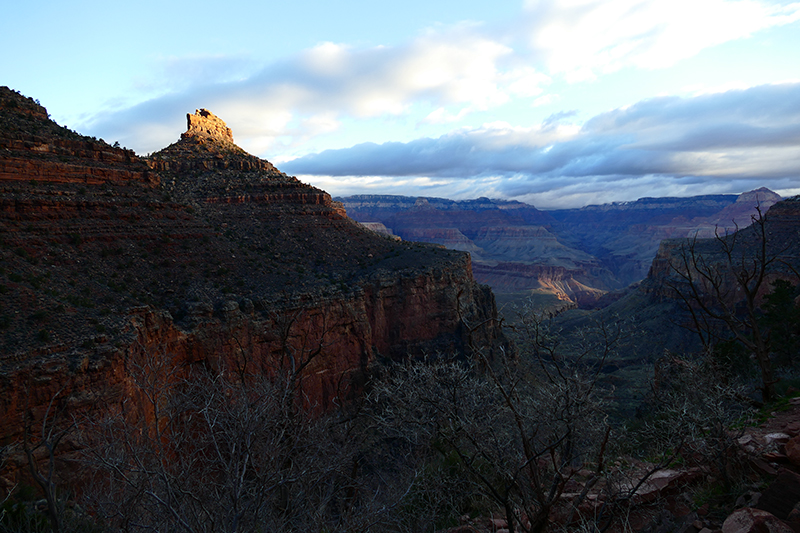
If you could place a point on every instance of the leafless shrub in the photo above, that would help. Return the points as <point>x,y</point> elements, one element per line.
<point>721,282</point>
<point>211,454</point>
<point>697,411</point>
<point>514,434</point>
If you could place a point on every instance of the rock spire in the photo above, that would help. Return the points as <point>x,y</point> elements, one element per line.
<point>204,123</point>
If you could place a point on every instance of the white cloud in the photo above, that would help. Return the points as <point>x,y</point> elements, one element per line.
<point>723,142</point>
<point>456,72</point>
<point>582,39</point>
<point>546,100</point>
<point>449,75</point>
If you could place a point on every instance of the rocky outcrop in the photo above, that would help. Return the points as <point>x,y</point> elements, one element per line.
<point>512,247</point>
<point>204,123</point>
<point>216,260</point>
<point>377,227</point>
<point>568,285</point>
<point>625,235</point>
<point>782,230</point>
<point>734,216</point>
<point>749,520</point>
<point>450,238</point>
<point>663,321</point>
<point>33,148</point>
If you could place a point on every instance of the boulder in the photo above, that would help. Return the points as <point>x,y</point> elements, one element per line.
<point>782,495</point>
<point>749,520</point>
<point>793,450</point>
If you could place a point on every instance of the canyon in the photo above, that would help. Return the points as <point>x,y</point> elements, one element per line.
<point>202,256</point>
<point>656,312</point>
<point>561,258</point>
<point>122,276</point>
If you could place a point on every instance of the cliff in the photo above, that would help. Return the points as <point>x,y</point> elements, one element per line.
<point>512,244</point>
<point>658,318</point>
<point>202,256</point>
<point>574,255</point>
<point>625,236</point>
<point>782,227</point>
<point>32,147</point>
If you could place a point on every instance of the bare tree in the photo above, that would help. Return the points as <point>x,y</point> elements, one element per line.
<point>721,282</point>
<point>517,432</point>
<point>213,449</point>
<point>694,409</point>
<point>47,439</point>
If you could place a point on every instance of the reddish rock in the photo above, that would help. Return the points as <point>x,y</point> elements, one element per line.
<point>782,495</point>
<point>776,439</point>
<point>204,123</point>
<point>664,482</point>
<point>230,263</point>
<point>792,450</point>
<point>793,428</point>
<point>749,520</point>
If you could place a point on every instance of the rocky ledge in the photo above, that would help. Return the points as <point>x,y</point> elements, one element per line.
<point>207,257</point>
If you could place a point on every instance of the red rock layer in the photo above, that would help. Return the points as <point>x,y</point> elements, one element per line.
<point>224,265</point>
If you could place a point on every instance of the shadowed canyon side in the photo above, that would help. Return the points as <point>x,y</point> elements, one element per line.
<point>203,256</point>
<point>513,249</point>
<point>781,242</point>
<point>657,312</point>
<point>561,258</point>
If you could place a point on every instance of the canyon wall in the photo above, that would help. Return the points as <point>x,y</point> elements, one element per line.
<point>574,255</point>
<point>202,258</point>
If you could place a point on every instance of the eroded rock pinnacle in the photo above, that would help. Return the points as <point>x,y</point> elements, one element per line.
<point>204,123</point>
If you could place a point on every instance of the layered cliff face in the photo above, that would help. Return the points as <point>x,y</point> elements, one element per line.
<point>513,249</point>
<point>658,318</point>
<point>206,257</point>
<point>32,147</point>
<point>625,236</point>
<point>782,244</point>
<point>573,255</point>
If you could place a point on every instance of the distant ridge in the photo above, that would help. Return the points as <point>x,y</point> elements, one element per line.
<point>575,255</point>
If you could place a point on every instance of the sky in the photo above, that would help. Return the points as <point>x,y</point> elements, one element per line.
<point>557,103</point>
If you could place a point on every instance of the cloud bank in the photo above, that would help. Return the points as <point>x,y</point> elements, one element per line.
<point>723,142</point>
<point>444,77</point>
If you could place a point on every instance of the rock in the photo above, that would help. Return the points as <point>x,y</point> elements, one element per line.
<point>748,443</point>
<point>794,514</point>
<point>519,235</point>
<point>762,466</point>
<point>204,123</point>
<point>749,520</point>
<point>776,438</point>
<point>499,524</point>
<point>104,259</point>
<point>792,450</point>
<point>792,428</point>
<point>782,495</point>
<point>748,499</point>
<point>665,481</point>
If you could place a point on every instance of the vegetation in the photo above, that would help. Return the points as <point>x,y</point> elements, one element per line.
<point>239,449</point>
<point>231,440</point>
<point>722,283</point>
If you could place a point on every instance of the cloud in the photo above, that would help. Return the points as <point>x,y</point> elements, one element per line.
<point>443,78</point>
<point>452,73</point>
<point>582,39</point>
<point>740,137</point>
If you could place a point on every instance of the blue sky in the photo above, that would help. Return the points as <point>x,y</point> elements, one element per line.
<point>556,103</point>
